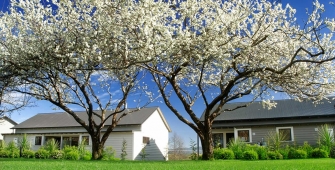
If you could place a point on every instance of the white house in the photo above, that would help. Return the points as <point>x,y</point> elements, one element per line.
<point>5,125</point>
<point>146,128</point>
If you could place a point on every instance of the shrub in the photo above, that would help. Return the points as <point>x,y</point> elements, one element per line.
<point>81,148</point>
<point>262,152</point>
<point>108,153</point>
<point>4,153</point>
<point>326,138</point>
<point>68,149</point>
<point>57,154</point>
<point>87,156</point>
<point>274,155</point>
<point>124,150</point>
<point>24,143</point>
<point>223,154</point>
<point>319,153</point>
<point>250,155</point>
<point>42,154</point>
<point>72,155</point>
<point>13,151</point>
<point>332,151</point>
<point>297,154</point>
<point>237,147</point>
<point>28,154</point>
<point>2,144</point>
<point>275,140</point>
<point>285,152</point>
<point>51,145</point>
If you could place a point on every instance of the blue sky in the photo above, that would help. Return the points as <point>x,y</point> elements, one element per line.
<point>176,125</point>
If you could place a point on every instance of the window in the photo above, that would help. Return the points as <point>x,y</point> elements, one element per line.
<point>243,135</point>
<point>38,140</point>
<point>218,140</point>
<point>146,140</point>
<point>286,133</point>
<point>85,140</point>
<point>70,141</point>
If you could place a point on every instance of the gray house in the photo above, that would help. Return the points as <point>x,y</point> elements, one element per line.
<point>299,121</point>
<point>145,128</point>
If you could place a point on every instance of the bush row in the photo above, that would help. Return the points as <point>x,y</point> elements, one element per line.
<point>255,152</point>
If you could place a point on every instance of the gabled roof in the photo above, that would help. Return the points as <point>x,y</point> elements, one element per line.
<point>63,119</point>
<point>8,119</point>
<point>284,109</point>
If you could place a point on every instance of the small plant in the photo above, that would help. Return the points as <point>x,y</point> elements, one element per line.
<point>250,155</point>
<point>108,154</point>
<point>319,153</point>
<point>237,146</point>
<point>193,147</point>
<point>275,140</point>
<point>24,143</point>
<point>124,150</point>
<point>274,155</point>
<point>28,154</point>
<point>81,148</point>
<point>143,154</point>
<point>51,145</point>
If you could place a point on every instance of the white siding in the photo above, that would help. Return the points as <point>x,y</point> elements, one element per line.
<point>5,127</point>
<point>31,138</point>
<point>155,129</point>
<point>115,140</point>
<point>137,144</point>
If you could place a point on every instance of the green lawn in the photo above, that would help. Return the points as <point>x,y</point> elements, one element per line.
<point>304,164</point>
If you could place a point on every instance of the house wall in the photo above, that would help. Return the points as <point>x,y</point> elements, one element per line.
<point>301,132</point>
<point>5,127</point>
<point>17,138</point>
<point>155,129</point>
<point>115,140</point>
<point>137,144</point>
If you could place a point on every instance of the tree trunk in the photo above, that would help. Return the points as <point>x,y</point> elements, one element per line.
<point>207,142</point>
<point>97,148</point>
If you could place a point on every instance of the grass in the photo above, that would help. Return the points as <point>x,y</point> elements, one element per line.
<point>304,164</point>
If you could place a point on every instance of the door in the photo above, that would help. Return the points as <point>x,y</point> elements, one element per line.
<point>229,137</point>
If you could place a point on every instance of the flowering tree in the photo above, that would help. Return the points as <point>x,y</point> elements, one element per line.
<point>214,52</point>
<point>9,101</point>
<point>73,54</point>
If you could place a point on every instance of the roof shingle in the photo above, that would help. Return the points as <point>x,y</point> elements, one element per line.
<point>284,109</point>
<point>63,119</point>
